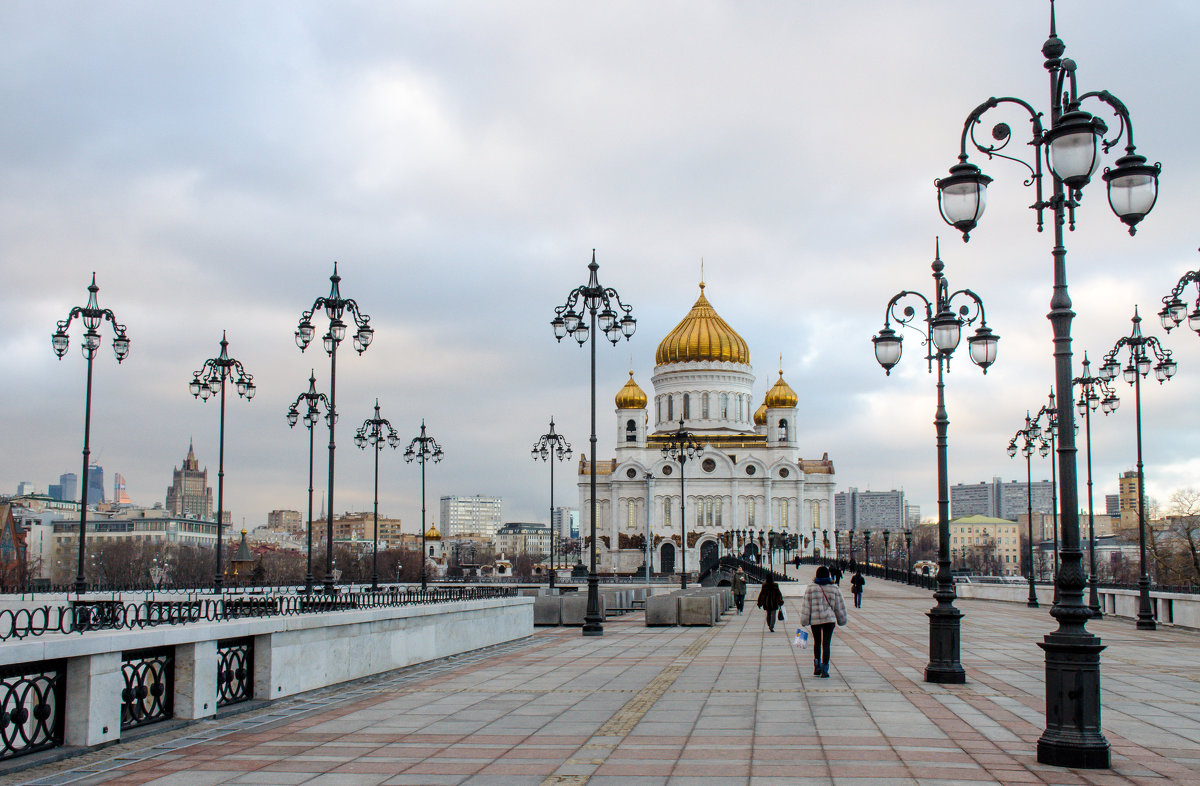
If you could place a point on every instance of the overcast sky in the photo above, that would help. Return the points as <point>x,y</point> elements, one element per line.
<point>210,161</point>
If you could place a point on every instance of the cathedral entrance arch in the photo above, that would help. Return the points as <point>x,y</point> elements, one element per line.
<point>666,558</point>
<point>708,555</point>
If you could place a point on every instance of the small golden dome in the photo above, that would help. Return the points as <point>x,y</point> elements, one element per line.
<point>760,415</point>
<point>432,533</point>
<point>631,396</point>
<point>781,395</point>
<point>702,335</point>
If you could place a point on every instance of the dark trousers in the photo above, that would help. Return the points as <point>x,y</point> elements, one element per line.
<point>740,600</point>
<point>771,613</point>
<point>858,600</point>
<point>822,637</point>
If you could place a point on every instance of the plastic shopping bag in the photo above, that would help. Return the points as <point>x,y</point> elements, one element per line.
<point>801,639</point>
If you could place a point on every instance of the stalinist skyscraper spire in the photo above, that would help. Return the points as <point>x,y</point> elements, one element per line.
<point>189,493</point>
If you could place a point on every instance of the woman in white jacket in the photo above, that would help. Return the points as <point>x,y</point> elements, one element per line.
<point>822,609</point>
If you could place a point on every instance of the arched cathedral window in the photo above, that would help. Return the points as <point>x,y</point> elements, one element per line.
<point>687,406</point>
<point>704,406</point>
<point>630,431</point>
<point>783,430</point>
<point>724,406</point>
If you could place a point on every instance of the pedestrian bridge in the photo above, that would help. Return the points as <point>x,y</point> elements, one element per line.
<point>678,704</point>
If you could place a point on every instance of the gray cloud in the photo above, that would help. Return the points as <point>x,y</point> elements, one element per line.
<point>210,161</point>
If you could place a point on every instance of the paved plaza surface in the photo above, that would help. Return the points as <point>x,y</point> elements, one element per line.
<point>733,704</point>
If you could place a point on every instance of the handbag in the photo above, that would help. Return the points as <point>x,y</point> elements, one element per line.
<point>781,613</point>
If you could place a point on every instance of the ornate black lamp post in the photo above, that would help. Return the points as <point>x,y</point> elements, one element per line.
<point>1029,437</point>
<point>908,553</point>
<point>1175,309</point>
<point>375,432</point>
<point>1138,367</point>
<point>552,447</point>
<point>1071,150</point>
<point>423,448</point>
<point>887,556</point>
<point>1048,446</point>
<point>335,307</point>
<point>595,302</point>
<point>207,382</point>
<point>853,551</point>
<point>313,402</point>
<point>1093,392</point>
<point>867,548</point>
<point>681,445</point>
<point>939,324</point>
<point>92,317</point>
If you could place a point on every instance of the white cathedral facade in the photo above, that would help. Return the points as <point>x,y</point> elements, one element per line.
<point>748,480</point>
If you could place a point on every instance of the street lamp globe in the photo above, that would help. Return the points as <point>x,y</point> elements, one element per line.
<point>1132,189</point>
<point>962,197</point>
<point>1074,145</point>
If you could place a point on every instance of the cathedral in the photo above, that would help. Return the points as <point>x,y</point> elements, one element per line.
<point>747,481</point>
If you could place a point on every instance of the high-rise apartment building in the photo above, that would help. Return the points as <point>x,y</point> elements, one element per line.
<point>998,499</point>
<point>565,522</point>
<point>870,510</point>
<point>477,515</point>
<point>284,520</point>
<point>189,493</point>
<point>1127,495</point>
<point>95,484</point>
<point>1112,504</point>
<point>66,489</point>
<point>119,495</point>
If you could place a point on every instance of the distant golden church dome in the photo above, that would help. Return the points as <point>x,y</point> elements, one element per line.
<point>781,395</point>
<point>631,396</point>
<point>702,335</point>
<point>760,415</point>
<point>432,533</point>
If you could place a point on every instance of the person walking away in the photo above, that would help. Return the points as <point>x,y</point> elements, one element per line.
<point>856,586</point>
<point>837,574</point>
<point>822,609</point>
<point>739,589</point>
<point>770,600</point>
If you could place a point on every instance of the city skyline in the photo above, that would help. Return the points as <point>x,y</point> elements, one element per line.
<point>210,163</point>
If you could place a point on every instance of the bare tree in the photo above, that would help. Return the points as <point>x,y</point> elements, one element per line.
<point>1180,537</point>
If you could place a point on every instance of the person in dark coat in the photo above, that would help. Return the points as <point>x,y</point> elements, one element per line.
<point>836,572</point>
<point>856,586</point>
<point>738,585</point>
<point>770,600</point>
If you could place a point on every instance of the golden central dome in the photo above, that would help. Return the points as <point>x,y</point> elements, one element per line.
<point>702,335</point>
<point>781,394</point>
<point>631,396</point>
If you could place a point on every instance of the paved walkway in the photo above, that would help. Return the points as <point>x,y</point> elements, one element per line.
<point>684,705</point>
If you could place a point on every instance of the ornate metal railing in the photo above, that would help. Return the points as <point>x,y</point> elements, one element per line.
<point>148,695</point>
<point>31,707</point>
<point>116,614</point>
<point>897,574</point>
<point>235,671</point>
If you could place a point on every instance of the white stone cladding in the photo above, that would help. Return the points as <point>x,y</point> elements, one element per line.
<point>738,483</point>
